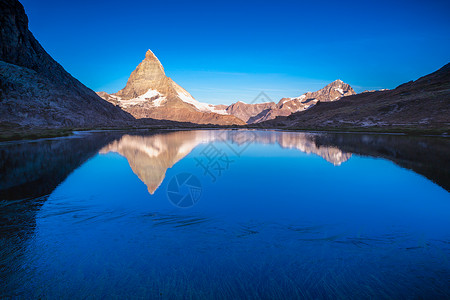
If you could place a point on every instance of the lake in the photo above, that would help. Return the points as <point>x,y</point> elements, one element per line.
<point>227,214</point>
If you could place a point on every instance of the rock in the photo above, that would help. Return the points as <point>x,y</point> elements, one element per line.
<point>259,112</point>
<point>35,90</point>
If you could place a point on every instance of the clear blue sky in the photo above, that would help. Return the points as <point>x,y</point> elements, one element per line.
<point>226,51</point>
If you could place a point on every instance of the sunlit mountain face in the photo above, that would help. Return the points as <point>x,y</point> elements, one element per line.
<point>150,156</point>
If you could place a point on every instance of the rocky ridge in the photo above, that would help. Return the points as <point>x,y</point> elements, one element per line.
<point>259,112</point>
<point>420,104</point>
<point>35,90</point>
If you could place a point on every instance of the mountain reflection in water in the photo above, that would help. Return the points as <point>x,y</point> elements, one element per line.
<point>34,169</point>
<point>150,156</point>
<point>74,213</point>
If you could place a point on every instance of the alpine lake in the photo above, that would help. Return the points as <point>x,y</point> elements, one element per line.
<point>225,214</point>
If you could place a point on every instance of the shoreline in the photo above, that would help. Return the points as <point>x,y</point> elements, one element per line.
<point>21,134</point>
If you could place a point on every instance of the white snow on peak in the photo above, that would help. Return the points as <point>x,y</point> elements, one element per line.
<point>186,97</point>
<point>300,98</point>
<point>149,94</point>
<point>157,100</point>
<point>218,111</point>
<point>144,98</point>
<point>203,107</point>
<point>339,90</point>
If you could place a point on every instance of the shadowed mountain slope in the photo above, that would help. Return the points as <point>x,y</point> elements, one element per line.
<point>35,90</point>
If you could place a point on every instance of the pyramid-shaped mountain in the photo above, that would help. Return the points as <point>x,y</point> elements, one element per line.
<point>149,93</point>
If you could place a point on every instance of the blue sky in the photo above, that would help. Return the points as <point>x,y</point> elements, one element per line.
<point>226,51</point>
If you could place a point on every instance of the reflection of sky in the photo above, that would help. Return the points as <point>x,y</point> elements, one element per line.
<point>277,218</point>
<point>361,188</point>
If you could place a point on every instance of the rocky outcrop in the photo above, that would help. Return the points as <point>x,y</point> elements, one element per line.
<point>332,92</point>
<point>286,106</point>
<point>420,104</point>
<point>149,93</point>
<point>246,111</point>
<point>35,90</point>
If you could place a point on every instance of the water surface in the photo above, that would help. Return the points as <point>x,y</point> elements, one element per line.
<point>225,214</point>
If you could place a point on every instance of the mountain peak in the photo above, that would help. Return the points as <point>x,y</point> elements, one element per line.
<point>149,74</point>
<point>332,91</point>
<point>151,62</point>
<point>337,82</point>
<point>150,55</point>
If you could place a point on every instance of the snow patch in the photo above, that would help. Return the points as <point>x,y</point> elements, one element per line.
<point>217,111</point>
<point>339,90</point>
<point>145,98</point>
<point>149,94</point>
<point>203,107</point>
<point>186,97</point>
<point>300,98</point>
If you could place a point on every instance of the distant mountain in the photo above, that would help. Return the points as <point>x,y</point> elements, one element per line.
<point>420,104</point>
<point>247,112</point>
<point>149,93</point>
<point>35,90</point>
<point>259,112</point>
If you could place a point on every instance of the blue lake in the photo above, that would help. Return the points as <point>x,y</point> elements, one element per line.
<point>225,214</point>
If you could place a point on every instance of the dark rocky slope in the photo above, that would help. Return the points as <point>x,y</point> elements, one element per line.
<point>35,90</point>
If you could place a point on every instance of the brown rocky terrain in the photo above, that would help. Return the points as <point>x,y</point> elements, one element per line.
<point>420,104</point>
<point>35,90</point>
<point>287,106</point>
<point>149,93</point>
<point>260,112</point>
<point>247,112</point>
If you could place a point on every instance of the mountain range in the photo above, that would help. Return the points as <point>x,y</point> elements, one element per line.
<point>423,103</point>
<point>149,93</point>
<point>259,112</point>
<point>37,92</point>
